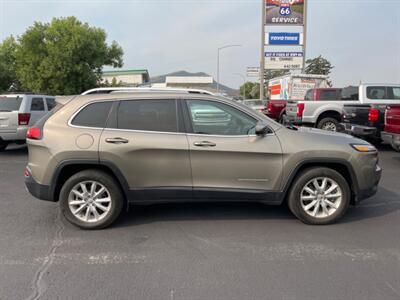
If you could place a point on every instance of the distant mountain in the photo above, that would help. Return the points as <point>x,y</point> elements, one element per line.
<point>161,79</point>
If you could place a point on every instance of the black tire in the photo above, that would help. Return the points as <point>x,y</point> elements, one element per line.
<point>281,119</point>
<point>323,124</point>
<point>3,146</point>
<point>117,198</point>
<point>301,181</point>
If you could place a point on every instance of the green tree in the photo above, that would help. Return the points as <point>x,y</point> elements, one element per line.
<point>270,74</point>
<point>250,90</point>
<point>8,76</point>
<point>320,66</point>
<point>64,56</point>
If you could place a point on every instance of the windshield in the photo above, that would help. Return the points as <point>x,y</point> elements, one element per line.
<point>10,103</point>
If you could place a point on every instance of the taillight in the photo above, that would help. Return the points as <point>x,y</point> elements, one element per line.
<point>34,133</point>
<point>23,119</point>
<point>373,115</point>
<point>300,109</point>
<point>270,106</point>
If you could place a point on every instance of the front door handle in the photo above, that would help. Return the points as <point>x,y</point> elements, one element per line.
<point>205,144</point>
<point>117,140</point>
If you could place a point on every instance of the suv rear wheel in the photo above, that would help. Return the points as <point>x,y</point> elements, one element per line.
<point>319,196</point>
<point>329,124</point>
<point>91,199</point>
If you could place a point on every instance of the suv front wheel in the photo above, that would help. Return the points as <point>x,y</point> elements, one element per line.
<point>91,199</point>
<point>319,196</point>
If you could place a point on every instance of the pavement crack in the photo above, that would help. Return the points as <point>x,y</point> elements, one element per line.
<point>37,283</point>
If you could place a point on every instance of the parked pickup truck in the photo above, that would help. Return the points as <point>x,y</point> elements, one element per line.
<point>328,114</point>
<point>391,134</point>
<point>276,109</point>
<point>366,119</point>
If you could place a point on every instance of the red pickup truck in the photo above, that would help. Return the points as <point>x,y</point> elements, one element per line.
<point>392,127</point>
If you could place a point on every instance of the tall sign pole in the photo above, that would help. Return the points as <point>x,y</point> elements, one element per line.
<point>305,35</point>
<point>262,62</point>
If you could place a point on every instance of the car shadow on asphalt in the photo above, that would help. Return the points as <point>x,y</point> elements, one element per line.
<point>138,215</point>
<point>14,150</point>
<point>385,202</point>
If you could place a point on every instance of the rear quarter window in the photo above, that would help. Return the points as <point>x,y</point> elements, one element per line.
<point>37,104</point>
<point>10,103</point>
<point>93,115</point>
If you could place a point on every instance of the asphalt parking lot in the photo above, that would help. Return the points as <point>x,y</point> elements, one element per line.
<point>198,251</point>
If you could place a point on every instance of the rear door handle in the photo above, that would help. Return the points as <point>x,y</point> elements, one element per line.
<point>117,140</point>
<point>205,144</point>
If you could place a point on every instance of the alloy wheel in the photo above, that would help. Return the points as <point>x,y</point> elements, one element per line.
<point>329,126</point>
<point>321,197</point>
<point>89,201</point>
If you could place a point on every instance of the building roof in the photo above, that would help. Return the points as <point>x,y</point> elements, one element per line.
<point>144,72</point>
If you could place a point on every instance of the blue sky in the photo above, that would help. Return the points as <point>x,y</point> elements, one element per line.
<point>360,37</point>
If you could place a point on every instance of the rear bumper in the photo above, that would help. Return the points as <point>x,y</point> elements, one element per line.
<point>37,190</point>
<point>391,138</point>
<point>288,119</point>
<point>17,135</point>
<point>358,130</point>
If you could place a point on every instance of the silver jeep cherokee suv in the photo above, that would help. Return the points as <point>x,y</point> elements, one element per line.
<point>97,153</point>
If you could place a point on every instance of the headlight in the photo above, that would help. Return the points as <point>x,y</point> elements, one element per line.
<point>364,148</point>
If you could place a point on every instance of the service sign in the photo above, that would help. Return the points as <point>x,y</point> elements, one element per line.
<point>284,12</point>
<point>284,60</point>
<point>284,38</point>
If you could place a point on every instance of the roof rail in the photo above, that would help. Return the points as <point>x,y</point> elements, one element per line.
<point>145,89</point>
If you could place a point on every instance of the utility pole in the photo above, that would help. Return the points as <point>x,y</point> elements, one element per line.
<point>305,35</point>
<point>262,62</point>
<point>218,67</point>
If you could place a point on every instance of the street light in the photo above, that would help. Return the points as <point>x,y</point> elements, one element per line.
<point>244,83</point>
<point>219,50</point>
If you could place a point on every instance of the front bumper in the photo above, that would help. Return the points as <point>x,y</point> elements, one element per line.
<point>37,190</point>
<point>372,188</point>
<point>358,130</point>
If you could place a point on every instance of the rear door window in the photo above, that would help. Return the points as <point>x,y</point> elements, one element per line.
<point>376,92</point>
<point>394,93</point>
<point>10,103</point>
<point>37,104</point>
<point>148,115</point>
<point>94,115</point>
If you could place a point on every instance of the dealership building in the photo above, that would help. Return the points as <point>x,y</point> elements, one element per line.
<point>127,77</point>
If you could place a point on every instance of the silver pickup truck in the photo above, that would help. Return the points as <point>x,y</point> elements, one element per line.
<point>327,115</point>
<point>18,112</point>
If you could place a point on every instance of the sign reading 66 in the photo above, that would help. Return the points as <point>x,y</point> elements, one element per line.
<point>284,12</point>
<point>285,8</point>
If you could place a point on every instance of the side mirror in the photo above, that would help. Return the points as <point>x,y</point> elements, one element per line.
<point>262,129</point>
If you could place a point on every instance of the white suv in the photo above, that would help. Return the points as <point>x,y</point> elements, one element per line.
<point>18,112</point>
